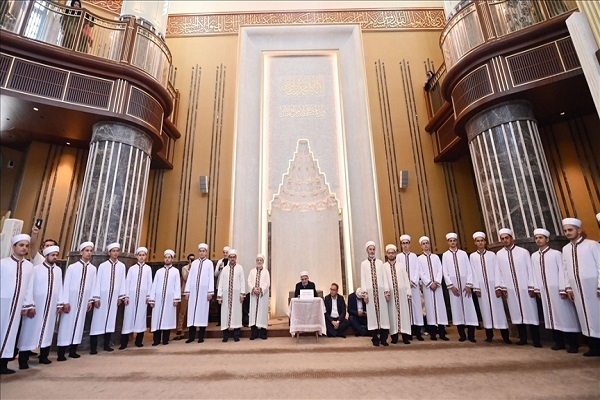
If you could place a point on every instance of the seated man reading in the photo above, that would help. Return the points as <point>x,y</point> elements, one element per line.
<point>358,313</point>
<point>304,284</point>
<point>335,313</point>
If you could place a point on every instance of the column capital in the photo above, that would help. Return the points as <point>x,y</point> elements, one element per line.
<point>122,133</point>
<point>508,111</point>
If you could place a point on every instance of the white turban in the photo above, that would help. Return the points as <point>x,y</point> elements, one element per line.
<point>260,256</point>
<point>369,243</point>
<point>203,246</point>
<point>451,235</point>
<point>170,252</point>
<point>424,239</point>
<point>226,248</point>
<point>541,231</point>
<point>303,273</point>
<point>50,249</point>
<point>141,249</point>
<point>505,231</point>
<point>360,293</point>
<point>114,245</point>
<point>405,237</point>
<point>391,246</point>
<point>598,217</point>
<point>20,238</point>
<point>478,235</point>
<point>572,221</point>
<point>233,252</point>
<point>83,245</point>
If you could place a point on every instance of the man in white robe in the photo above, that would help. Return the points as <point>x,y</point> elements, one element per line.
<point>259,283</point>
<point>137,293</point>
<point>514,280</point>
<point>232,288</point>
<point>582,263</point>
<point>77,299</point>
<point>458,275</point>
<point>109,291</point>
<point>374,282</point>
<point>560,316</point>
<point>39,258</point>
<point>199,291</point>
<point>16,289</point>
<point>164,296</point>
<point>484,265</point>
<point>222,263</point>
<point>37,330</point>
<point>412,269</point>
<point>400,296</point>
<point>431,275</point>
<point>183,305</point>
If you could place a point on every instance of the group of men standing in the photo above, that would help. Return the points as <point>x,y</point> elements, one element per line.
<point>567,283</point>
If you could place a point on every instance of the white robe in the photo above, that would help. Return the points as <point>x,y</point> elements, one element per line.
<point>516,279</point>
<point>165,292</point>
<point>259,304</point>
<point>38,332</point>
<point>38,259</point>
<point>218,271</point>
<point>16,295</point>
<point>138,285</point>
<point>199,284</point>
<point>431,271</point>
<point>400,296</point>
<point>459,274</point>
<point>375,283</point>
<point>584,280</point>
<point>492,308</point>
<point>412,269</point>
<point>77,292</point>
<point>110,286</point>
<point>232,285</point>
<point>559,314</point>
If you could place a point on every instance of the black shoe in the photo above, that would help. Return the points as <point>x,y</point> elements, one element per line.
<point>462,339</point>
<point>190,340</point>
<point>444,338</point>
<point>406,341</point>
<point>155,343</point>
<point>521,343</point>
<point>45,361</point>
<point>6,371</point>
<point>75,355</point>
<point>165,343</point>
<point>201,340</point>
<point>109,349</point>
<point>225,340</point>
<point>342,336</point>
<point>420,338</point>
<point>385,344</point>
<point>592,353</point>
<point>121,347</point>
<point>573,350</point>
<point>375,342</point>
<point>432,337</point>
<point>93,351</point>
<point>538,345</point>
<point>489,340</point>
<point>236,339</point>
<point>395,338</point>
<point>558,347</point>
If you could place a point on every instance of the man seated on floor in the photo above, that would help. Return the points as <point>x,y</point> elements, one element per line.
<point>357,313</point>
<point>335,313</point>
<point>304,284</point>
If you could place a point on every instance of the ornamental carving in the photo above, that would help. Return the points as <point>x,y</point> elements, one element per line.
<point>112,6</point>
<point>304,187</point>
<point>371,20</point>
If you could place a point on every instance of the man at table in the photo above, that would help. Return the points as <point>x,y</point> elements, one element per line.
<point>335,313</point>
<point>357,310</point>
<point>304,284</point>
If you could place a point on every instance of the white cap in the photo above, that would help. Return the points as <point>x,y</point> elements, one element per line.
<point>505,231</point>
<point>260,256</point>
<point>424,239</point>
<point>114,245</point>
<point>598,217</point>
<point>170,252</point>
<point>50,249</point>
<point>141,249</point>
<point>360,293</point>
<point>478,234</point>
<point>20,238</point>
<point>226,248</point>
<point>540,231</point>
<point>303,273</point>
<point>233,252</point>
<point>572,221</point>
<point>203,246</point>
<point>83,245</point>
<point>391,246</point>
<point>451,235</point>
<point>369,243</point>
<point>405,237</point>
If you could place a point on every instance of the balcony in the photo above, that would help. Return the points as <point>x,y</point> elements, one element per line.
<point>92,68</point>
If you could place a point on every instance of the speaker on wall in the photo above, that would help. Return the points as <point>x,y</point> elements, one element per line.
<point>403,179</point>
<point>204,184</point>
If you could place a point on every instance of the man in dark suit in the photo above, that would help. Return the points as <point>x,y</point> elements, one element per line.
<point>358,314</point>
<point>304,284</point>
<point>335,313</point>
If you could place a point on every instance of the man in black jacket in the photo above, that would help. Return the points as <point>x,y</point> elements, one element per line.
<point>304,284</point>
<point>357,311</point>
<point>335,313</point>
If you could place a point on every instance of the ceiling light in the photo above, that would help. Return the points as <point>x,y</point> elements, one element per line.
<point>68,143</point>
<point>562,113</point>
<point>36,109</point>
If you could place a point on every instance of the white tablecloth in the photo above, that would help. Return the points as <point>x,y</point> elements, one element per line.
<point>307,315</point>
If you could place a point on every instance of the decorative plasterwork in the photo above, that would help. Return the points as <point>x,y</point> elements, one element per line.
<point>369,20</point>
<point>112,6</point>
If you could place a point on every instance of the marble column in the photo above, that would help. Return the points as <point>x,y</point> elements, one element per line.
<point>513,180</point>
<point>111,204</point>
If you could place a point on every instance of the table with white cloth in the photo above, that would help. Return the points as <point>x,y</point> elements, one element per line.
<point>307,315</point>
